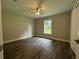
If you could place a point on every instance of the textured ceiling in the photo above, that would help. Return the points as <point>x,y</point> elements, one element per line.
<point>49,7</point>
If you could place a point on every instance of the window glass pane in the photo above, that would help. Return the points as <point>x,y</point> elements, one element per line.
<point>47,26</point>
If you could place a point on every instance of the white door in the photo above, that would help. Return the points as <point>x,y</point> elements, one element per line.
<point>75,31</point>
<point>1,43</point>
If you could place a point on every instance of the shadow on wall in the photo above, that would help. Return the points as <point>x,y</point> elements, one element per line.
<point>16,26</point>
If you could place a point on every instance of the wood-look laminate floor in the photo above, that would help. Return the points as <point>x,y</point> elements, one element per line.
<point>37,48</point>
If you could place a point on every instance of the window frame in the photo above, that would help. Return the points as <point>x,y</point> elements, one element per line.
<point>44,27</point>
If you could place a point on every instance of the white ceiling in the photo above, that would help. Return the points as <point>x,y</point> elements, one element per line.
<point>49,7</point>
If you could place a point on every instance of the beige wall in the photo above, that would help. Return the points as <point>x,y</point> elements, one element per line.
<point>16,26</point>
<point>60,26</point>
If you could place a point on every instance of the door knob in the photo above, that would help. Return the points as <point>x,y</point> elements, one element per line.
<point>77,41</point>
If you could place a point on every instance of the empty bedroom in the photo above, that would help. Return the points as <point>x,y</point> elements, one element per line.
<point>39,29</point>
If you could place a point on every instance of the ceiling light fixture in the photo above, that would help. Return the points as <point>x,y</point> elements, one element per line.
<point>38,11</point>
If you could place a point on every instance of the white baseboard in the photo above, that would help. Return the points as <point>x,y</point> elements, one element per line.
<point>31,36</point>
<point>59,39</point>
<point>15,40</point>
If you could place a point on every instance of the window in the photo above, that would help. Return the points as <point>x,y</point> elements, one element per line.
<point>47,27</point>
